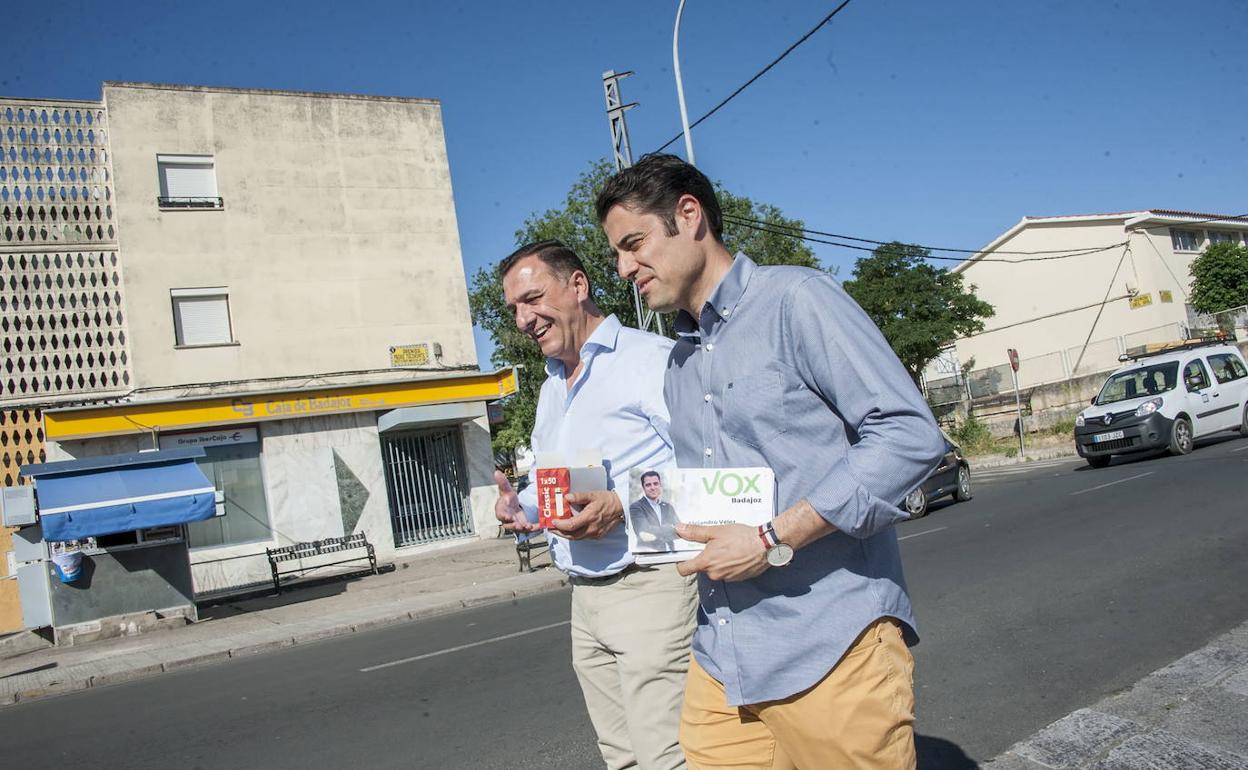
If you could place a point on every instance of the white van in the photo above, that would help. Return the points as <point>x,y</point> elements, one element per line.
<point>1166,400</point>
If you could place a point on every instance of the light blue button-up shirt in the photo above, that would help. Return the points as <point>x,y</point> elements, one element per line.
<point>783,369</point>
<point>615,406</point>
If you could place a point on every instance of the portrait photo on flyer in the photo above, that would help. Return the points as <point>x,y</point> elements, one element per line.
<point>664,496</point>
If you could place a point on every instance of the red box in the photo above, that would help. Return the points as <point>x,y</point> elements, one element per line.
<point>553,485</point>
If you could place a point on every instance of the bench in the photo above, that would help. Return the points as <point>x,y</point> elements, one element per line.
<point>528,543</point>
<point>330,545</point>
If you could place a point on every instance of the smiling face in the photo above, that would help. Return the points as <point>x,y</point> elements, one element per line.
<point>653,487</point>
<point>549,309</point>
<point>666,268</point>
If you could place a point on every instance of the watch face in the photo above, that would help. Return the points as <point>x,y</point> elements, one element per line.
<point>780,555</point>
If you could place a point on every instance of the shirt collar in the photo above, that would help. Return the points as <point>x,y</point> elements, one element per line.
<point>724,299</point>
<point>605,337</point>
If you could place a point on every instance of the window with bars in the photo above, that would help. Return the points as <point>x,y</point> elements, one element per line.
<point>201,317</point>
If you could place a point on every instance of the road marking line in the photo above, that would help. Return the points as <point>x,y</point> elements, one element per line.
<point>1241,449</point>
<point>1110,484</point>
<point>461,647</point>
<point>924,532</point>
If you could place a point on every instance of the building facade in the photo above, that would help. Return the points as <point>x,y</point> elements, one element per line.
<point>273,276</point>
<point>1072,293</point>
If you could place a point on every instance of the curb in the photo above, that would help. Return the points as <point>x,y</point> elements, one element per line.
<point>77,678</point>
<point>998,461</point>
<point>1178,716</point>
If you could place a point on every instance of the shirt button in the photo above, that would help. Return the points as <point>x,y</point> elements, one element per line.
<point>707,451</point>
<point>723,621</point>
<point>707,397</point>
<point>726,312</point>
<point>709,347</point>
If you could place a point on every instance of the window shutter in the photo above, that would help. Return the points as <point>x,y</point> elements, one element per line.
<point>185,180</point>
<point>202,320</point>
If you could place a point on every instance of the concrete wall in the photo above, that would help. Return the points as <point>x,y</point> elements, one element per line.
<point>337,240</point>
<point>1043,406</point>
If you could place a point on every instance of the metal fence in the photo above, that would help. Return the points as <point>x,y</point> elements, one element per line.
<point>1078,361</point>
<point>427,484</point>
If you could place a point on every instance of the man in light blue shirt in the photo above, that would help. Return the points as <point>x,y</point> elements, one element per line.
<point>631,625</point>
<point>800,657</point>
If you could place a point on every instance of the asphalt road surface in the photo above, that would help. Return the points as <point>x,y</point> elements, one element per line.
<point>1055,586</point>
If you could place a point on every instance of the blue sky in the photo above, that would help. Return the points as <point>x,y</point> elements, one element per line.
<point>937,123</point>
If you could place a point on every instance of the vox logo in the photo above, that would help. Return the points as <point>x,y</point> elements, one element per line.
<point>730,484</point>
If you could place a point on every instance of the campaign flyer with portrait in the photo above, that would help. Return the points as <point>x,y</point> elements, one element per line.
<point>664,496</point>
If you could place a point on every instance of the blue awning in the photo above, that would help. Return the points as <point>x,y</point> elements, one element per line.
<point>119,493</point>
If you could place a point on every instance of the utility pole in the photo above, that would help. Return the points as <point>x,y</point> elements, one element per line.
<point>622,152</point>
<point>680,86</point>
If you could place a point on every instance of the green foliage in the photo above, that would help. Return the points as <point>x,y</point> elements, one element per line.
<point>1011,451</point>
<point>918,307</point>
<point>1063,427</point>
<point>576,224</point>
<point>973,436</point>
<point>1220,278</point>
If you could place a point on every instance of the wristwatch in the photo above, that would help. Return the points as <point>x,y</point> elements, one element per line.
<point>778,554</point>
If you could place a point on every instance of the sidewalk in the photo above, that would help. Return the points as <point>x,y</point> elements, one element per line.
<point>1190,715</point>
<point>473,574</point>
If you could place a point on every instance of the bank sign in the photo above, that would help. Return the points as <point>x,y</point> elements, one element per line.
<point>206,438</point>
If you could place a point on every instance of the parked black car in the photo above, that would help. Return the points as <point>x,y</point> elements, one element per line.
<point>951,477</point>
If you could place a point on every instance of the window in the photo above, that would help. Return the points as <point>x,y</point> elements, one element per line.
<point>235,470</point>
<point>1147,380</point>
<point>1227,367</point>
<point>1195,376</point>
<point>1185,240</point>
<point>188,182</point>
<point>201,317</point>
<point>1221,236</point>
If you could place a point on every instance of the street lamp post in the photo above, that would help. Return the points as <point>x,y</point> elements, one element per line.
<point>680,89</point>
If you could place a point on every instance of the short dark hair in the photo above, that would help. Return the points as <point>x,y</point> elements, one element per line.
<point>561,260</point>
<point>654,184</point>
<point>648,474</point>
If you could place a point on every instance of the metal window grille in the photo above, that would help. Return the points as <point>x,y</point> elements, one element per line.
<point>426,483</point>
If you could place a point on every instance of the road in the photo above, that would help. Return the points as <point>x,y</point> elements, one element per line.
<point>1054,587</point>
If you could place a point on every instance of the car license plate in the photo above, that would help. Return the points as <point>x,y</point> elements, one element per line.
<point>1111,436</point>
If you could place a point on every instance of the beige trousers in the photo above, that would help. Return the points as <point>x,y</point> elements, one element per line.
<point>858,717</point>
<point>630,649</point>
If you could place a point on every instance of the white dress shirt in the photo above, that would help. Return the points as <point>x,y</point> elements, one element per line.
<point>615,406</point>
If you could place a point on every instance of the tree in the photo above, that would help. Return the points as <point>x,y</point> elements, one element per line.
<point>1220,278</point>
<point>918,307</point>
<point>576,224</point>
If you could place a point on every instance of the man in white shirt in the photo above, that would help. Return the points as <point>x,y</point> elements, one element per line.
<point>631,625</point>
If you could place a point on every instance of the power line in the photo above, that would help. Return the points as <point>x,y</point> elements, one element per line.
<point>1104,302</point>
<point>760,73</point>
<point>966,251</point>
<point>790,234</point>
<point>746,221</point>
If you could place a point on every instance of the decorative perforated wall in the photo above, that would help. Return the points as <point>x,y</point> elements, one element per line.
<point>62,329</point>
<point>21,443</point>
<point>55,178</point>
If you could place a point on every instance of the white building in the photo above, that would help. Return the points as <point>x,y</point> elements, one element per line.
<point>274,276</point>
<point>1072,293</point>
